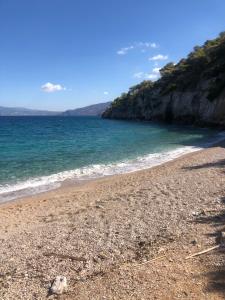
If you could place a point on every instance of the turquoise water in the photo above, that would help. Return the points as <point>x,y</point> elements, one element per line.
<point>39,153</point>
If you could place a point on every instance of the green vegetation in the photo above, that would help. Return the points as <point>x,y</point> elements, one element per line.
<point>168,69</point>
<point>204,64</point>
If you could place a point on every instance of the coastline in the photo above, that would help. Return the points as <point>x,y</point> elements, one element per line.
<point>34,186</point>
<point>68,186</point>
<point>43,184</point>
<point>102,233</point>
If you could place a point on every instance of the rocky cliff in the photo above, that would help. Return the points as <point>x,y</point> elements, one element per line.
<point>191,91</point>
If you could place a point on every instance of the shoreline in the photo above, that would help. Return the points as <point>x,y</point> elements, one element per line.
<point>69,185</point>
<point>164,157</point>
<point>41,184</point>
<point>72,182</point>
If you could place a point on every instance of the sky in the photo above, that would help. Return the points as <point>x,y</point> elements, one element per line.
<point>64,54</point>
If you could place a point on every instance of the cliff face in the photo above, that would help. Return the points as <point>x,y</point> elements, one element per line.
<point>192,91</point>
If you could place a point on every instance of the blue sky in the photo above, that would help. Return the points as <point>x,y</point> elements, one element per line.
<point>61,54</point>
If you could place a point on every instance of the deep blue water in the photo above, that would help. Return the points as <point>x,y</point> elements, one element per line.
<point>34,147</point>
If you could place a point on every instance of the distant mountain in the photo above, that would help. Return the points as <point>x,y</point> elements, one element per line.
<point>20,111</point>
<point>91,110</point>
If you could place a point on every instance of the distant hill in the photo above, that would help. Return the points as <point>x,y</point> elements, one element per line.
<point>91,110</point>
<point>20,111</point>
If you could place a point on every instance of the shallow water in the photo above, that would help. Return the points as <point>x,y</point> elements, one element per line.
<point>39,153</point>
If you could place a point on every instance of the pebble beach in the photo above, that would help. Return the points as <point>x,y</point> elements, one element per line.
<point>121,237</point>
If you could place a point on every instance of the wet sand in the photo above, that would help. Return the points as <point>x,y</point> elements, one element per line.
<point>102,235</point>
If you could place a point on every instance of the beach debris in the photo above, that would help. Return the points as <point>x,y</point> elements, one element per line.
<point>221,245</point>
<point>59,285</point>
<point>202,252</point>
<point>199,213</point>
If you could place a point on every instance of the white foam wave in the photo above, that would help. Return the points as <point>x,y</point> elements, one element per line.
<point>45,183</point>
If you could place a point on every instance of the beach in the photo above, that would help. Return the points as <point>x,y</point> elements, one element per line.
<point>121,237</point>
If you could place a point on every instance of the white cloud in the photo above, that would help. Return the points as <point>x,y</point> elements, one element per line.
<point>106,93</point>
<point>146,45</point>
<point>138,75</point>
<point>124,50</point>
<point>151,76</point>
<point>143,46</point>
<point>51,87</point>
<point>156,70</point>
<point>154,75</point>
<point>159,57</point>
<point>153,45</point>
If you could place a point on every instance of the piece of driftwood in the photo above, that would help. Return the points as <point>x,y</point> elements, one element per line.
<point>202,252</point>
<point>59,285</point>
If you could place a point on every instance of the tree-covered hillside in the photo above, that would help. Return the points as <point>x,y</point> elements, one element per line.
<point>191,91</point>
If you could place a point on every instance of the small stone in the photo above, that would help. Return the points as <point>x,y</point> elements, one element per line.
<point>59,285</point>
<point>194,213</point>
<point>194,242</point>
<point>102,256</point>
<point>99,206</point>
<point>203,212</point>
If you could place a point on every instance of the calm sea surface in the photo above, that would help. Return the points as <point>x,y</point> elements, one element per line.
<point>39,153</point>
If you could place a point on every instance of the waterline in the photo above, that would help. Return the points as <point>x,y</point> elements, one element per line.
<point>47,183</point>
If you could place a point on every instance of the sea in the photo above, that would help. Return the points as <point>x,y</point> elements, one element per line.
<point>38,154</point>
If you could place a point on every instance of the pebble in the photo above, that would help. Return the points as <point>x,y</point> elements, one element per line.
<point>59,285</point>
<point>194,242</point>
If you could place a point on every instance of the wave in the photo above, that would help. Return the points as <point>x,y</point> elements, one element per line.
<point>46,183</point>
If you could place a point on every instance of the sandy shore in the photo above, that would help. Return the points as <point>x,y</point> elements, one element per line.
<point>102,235</point>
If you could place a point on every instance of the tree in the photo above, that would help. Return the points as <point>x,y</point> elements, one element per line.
<point>222,34</point>
<point>167,69</point>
